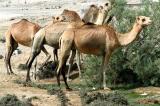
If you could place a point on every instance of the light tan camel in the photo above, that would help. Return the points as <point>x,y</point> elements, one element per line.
<point>50,35</point>
<point>99,40</point>
<point>22,33</point>
<point>96,16</point>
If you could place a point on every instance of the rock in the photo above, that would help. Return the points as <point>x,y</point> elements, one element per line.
<point>22,67</point>
<point>2,39</point>
<point>1,57</point>
<point>17,51</point>
<point>47,71</point>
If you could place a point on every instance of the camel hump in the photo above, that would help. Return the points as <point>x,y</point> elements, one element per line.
<point>24,19</point>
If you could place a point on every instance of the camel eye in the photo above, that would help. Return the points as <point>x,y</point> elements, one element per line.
<point>143,20</point>
<point>106,4</point>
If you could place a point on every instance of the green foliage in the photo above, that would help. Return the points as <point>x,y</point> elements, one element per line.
<point>138,62</point>
<point>47,70</point>
<point>92,72</point>
<point>12,100</point>
<point>102,99</point>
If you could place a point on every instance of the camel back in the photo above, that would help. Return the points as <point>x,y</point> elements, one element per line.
<point>71,16</point>
<point>23,32</point>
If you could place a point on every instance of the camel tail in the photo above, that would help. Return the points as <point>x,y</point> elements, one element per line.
<point>8,37</point>
<point>60,41</point>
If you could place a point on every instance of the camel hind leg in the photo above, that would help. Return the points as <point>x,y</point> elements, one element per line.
<point>55,52</point>
<point>78,62</point>
<point>66,42</point>
<point>11,45</point>
<point>71,60</point>
<point>36,49</point>
<point>48,56</point>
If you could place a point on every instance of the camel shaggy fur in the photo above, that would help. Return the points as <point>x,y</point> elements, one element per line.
<point>22,32</point>
<point>100,40</point>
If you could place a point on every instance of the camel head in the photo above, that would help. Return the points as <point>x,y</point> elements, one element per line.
<point>143,21</point>
<point>107,6</point>
<point>70,16</point>
<point>58,19</point>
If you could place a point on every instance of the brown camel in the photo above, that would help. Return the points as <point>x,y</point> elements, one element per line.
<point>22,33</point>
<point>96,16</point>
<point>50,35</point>
<point>99,40</point>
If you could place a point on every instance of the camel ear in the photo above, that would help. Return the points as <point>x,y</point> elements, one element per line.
<point>137,18</point>
<point>65,10</point>
<point>92,5</point>
<point>53,17</point>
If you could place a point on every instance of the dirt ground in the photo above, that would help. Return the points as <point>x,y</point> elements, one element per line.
<point>7,86</point>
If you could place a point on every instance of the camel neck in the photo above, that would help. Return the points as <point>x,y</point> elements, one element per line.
<point>101,17</point>
<point>127,38</point>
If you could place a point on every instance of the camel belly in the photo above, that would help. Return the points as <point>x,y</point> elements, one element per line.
<point>93,51</point>
<point>94,48</point>
<point>52,39</point>
<point>23,40</point>
<point>90,45</point>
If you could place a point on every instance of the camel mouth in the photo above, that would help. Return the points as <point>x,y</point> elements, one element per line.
<point>149,22</point>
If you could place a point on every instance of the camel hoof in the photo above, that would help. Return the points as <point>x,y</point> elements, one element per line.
<point>27,84</point>
<point>8,73</point>
<point>69,89</point>
<point>69,80</point>
<point>28,80</point>
<point>106,88</point>
<point>13,74</point>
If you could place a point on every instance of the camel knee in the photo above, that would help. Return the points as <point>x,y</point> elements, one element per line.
<point>31,59</point>
<point>35,52</point>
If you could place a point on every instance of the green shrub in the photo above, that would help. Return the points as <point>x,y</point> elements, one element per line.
<point>12,100</point>
<point>102,99</point>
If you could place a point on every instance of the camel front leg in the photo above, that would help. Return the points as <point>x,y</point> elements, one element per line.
<point>105,67</point>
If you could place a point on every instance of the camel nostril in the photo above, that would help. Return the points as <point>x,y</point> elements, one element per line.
<point>57,18</point>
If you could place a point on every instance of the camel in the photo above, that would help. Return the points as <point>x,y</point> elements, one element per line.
<point>100,40</point>
<point>22,33</point>
<point>50,35</point>
<point>96,16</point>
